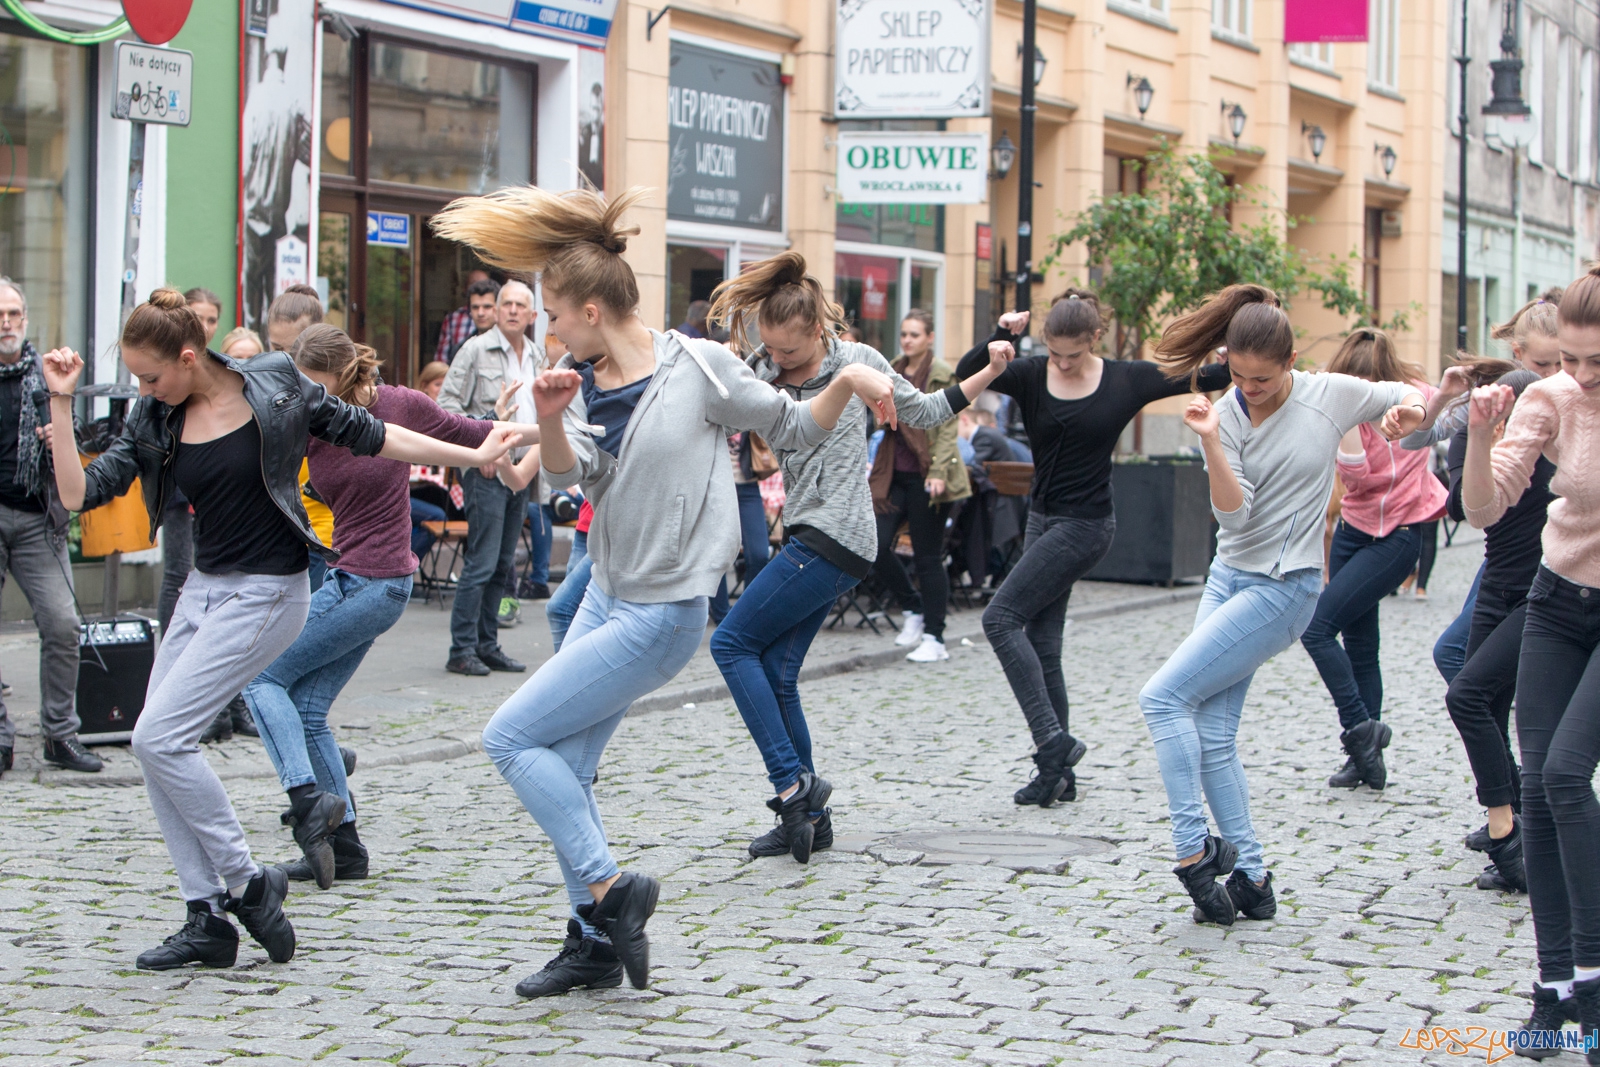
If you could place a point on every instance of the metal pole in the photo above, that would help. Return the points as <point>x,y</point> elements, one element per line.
<point>1516,232</point>
<point>1030,18</point>
<point>130,236</point>
<point>1461,196</point>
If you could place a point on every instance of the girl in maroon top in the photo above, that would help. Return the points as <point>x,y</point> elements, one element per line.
<point>362,597</point>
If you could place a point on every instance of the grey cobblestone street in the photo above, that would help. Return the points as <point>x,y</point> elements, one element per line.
<point>891,949</point>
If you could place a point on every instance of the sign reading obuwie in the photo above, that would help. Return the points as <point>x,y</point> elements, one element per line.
<point>913,168</point>
<point>725,127</point>
<point>911,59</point>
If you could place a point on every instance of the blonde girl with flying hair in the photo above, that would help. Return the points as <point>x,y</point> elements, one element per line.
<point>644,435</point>
<point>831,530</point>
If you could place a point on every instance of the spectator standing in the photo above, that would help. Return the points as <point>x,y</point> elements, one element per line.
<point>465,323</point>
<point>501,359</point>
<point>33,542</point>
<point>208,306</point>
<point>694,320</point>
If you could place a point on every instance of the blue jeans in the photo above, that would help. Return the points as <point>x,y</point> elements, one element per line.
<point>542,531</point>
<point>423,511</point>
<point>761,644</point>
<point>291,698</point>
<point>1192,705</point>
<point>1450,651</point>
<point>494,520</point>
<point>1362,570</point>
<point>564,601</point>
<point>757,545</point>
<point>316,570</point>
<point>547,738</point>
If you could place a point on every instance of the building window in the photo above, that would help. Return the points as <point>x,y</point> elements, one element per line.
<point>902,225</point>
<point>1371,260</point>
<point>1535,87</point>
<point>1122,175</point>
<point>1158,7</point>
<point>1383,50</point>
<point>1563,105</point>
<point>1231,18</point>
<point>1312,54</point>
<point>1586,116</point>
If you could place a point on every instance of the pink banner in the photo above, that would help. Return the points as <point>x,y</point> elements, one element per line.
<point>1320,21</point>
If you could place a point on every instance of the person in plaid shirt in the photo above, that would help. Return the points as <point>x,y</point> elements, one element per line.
<point>467,322</point>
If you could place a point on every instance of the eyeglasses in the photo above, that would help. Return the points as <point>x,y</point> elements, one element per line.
<point>7,316</point>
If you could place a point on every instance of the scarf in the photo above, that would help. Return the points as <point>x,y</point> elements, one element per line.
<point>30,450</point>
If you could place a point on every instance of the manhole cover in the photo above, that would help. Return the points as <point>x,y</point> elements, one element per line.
<point>1022,852</point>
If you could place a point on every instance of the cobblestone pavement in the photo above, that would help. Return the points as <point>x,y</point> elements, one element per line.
<point>891,949</point>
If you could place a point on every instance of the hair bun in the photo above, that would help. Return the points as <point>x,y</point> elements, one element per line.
<point>167,299</point>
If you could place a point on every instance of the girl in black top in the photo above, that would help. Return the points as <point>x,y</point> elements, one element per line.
<point>231,436</point>
<point>1074,406</point>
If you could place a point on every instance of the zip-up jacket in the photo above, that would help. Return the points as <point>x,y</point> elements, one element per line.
<point>1389,486</point>
<point>666,515</point>
<point>288,407</point>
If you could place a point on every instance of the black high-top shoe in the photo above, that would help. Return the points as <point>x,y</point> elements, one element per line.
<point>206,939</point>
<point>583,963</point>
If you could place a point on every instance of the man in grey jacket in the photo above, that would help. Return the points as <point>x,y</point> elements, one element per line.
<point>486,363</point>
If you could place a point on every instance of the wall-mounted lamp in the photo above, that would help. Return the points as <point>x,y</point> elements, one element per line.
<point>1039,62</point>
<point>1236,117</point>
<point>1143,93</point>
<point>1319,140</point>
<point>1387,158</point>
<point>1001,156</point>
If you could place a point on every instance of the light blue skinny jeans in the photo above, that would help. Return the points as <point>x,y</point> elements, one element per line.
<point>1192,705</point>
<point>291,698</point>
<point>547,738</point>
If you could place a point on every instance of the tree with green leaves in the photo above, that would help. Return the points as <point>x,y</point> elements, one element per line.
<point>1164,249</point>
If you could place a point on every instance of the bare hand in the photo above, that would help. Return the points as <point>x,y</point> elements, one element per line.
<point>1015,322</point>
<point>1001,353</point>
<point>1202,416</point>
<point>553,391</point>
<point>503,406</point>
<point>61,368</point>
<point>1490,404</point>
<point>1456,382</point>
<point>935,486</point>
<point>497,444</point>
<point>1401,420</point>
<point>875,390</point>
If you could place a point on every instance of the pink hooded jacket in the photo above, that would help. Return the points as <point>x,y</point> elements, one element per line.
<point>1390,486</point>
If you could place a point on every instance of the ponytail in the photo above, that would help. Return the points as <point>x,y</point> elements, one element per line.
<point>1075,313</point>
<point>1537,316</point>
<point>328,349</point>
<point>1245,318</point>
<point>575,239</point>
<point>778,292</point>
<point>1369,353</point>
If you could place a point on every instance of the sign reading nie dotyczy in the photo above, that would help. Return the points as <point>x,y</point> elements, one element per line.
<point>911,59</point>
<point>912,168</point>
<point>153,84</point>
<point>725,127</point>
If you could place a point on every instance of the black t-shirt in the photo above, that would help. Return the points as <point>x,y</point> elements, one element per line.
<point>13,495</point>
<point>1073,440</point>
<point>237,527</point>
<point>1512,547</point>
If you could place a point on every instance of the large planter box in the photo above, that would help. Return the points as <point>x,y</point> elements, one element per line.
<point>1165,531</point>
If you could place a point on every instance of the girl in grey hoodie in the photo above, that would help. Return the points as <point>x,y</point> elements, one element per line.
<point>832,532</point>
<point>645,435</point>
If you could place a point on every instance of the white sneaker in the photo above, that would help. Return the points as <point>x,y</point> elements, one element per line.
<point>931,650</point>
<point>910,630</point>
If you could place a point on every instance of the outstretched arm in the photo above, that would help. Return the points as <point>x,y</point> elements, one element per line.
<point>61,368</point>
<point>408,446</point>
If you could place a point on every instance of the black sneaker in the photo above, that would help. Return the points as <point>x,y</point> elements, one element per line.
<point>348,756</point>
<point>206,939</point>
<point>621,916</point>
<point>69,754</point>
<point>1251,900</point>
<point>350,860</point>
<point>1550,1013</point>
<point>221,728</point>
<point>531,590</point>
<point>794,814</point>
<point>314,818</point>
<point>1050,781</point>
<point>239,717</point>
<point>1348,776</point>
<point>583,963</point>
<point>1212,902</point>
<point>468,664</point>
<point>775,842</point>
<point>260,909</point>
<point>496,660</point>
<point>1586,998</point>
<point>5,760</point>
<point>1364,743</point>
<point>1478,840</point>
<point>1505,855</point>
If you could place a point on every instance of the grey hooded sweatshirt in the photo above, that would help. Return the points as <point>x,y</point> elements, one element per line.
<point>666,515</point>
<point>826,485</point>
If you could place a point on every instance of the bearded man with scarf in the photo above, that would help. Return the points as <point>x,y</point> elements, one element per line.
<point>33,543</point>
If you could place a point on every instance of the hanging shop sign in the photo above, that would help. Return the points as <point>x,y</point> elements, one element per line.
<point>584,21</point>
<point>912,168</point>
<point>725,123</point>
<point>153,84</point>
<point>912,59</point>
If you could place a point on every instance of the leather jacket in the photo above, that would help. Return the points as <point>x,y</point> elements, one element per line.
<point>289,408</point>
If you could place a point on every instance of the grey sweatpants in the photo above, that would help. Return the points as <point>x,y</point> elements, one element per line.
<point>38,562</point>
<point>226,629</point>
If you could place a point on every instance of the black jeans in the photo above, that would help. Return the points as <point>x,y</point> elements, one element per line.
<point>1362,571</point>
<point>908,499</point>
<point>177,558</point>
<point>1479,698</point>
<point>1430,551</point>
<point>494,520</point>
<point>1025,620</point>
<point>1558,725</point>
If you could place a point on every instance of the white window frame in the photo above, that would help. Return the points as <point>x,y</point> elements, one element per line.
<point>1231,18</point>
<point>1535,87</point>
<point>1584,168</point>
<point>907,257</point>
<point>1564,105</point>
<point>1147,9</point>
<point>1316,55</point>
<point>1383,50</point>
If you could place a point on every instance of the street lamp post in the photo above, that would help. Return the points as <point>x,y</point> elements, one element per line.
<point>1030,18</point>
<point>1461,195</point>
<point>1513,127</point>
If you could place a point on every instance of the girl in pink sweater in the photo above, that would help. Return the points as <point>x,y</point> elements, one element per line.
<point>1558,678</point>
<point>1389,493</point>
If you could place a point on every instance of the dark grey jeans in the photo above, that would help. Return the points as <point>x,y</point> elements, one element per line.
<point>39,564</point>
<point>1025,620</point>
<point>494,520</point>
<point>177,557</point>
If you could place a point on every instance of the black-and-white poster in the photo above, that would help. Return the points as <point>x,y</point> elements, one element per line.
<point>725,115</point>
<point>275,139</point>
<point>592,116</point>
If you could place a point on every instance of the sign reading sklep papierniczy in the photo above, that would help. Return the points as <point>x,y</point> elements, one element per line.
<point>725,128</point>
<point>911,59</point>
